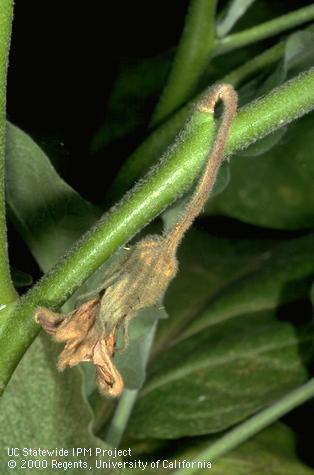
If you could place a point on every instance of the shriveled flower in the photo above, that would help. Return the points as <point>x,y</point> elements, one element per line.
<point>137,282</point>
<point>143,277</point>
<point>85,340</point>
<point>140,279</point>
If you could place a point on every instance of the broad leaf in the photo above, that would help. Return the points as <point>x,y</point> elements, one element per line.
<point>42,408</point>
<point>298,57</point>
<point>220,376</point>
<point>49,214</point>
<point>275,190</point>
<point>207,266</point>
<point>236,350</point>
<point>299,51</point>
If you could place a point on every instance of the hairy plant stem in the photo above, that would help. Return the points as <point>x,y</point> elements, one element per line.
<point>175,173</point>
<point>191,58</point>
<point>228,96</point>
<point>7,292</point>
<point>265,30</point>
<point>148,152</point>
<point>253,425</point>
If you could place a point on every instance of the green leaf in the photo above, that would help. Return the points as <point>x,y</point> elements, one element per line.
<point>220,376</point>
<point>298,57</point>
<point>236,350</point>
<point>49,214</point>
<point>299,52</point>
<point>276,190</point>
<point>207,266</point>
<point>272,451</point>
<point>283,274</point>
<point>42,408</point>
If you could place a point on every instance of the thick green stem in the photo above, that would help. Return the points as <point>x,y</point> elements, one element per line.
<point>152,148</point>
<point>7,292</point>
<point>175,173</point>
<point>191,59</point>
<point>265,30</point>
<point>252,426</point>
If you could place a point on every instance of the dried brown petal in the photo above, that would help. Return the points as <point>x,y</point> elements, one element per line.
<point>109,379</point>
<point>85,340</point>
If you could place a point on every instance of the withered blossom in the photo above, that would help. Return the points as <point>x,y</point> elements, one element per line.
<point>138,280</point>
<point>85,340</point>
<point>136,283</point>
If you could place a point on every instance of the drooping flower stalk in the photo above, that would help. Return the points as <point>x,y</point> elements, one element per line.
<point>141,278</point>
